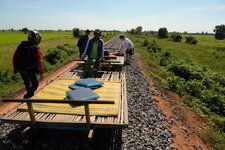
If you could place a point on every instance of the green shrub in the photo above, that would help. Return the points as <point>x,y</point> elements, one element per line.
<point>176,37</point>
<point>194,88</point>
<point>219,122</point>
<point>166,59</point>
<point>46,66</point>
<point>164,62</point>
<point>215,102</point>
<point>191,40</point>
<point>214,138</point>
<point>207,82</point>
<point>145,43</point>
<point>61,47</point>
<point>176,84</point>
<point>69,49</point>
<point>197,105</point>
<point>55,55</point>
<point>8,76</point>
<point>186,71</point>
<point>153,47</point>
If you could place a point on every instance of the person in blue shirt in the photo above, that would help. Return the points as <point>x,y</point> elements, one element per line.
<point>82,42</point>
<point>94,52</point>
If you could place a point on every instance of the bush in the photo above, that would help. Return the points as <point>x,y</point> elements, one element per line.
<point>145,43</point>
<point>186,72</point>
<point>176,37</point>
<point>55,55</point>
<point>191,40</point>
<point>153,47</point>
<point>165,60</point>
<point>198,106</point>
<point>7,76</point>
<point>69,49</point>
<point>214,101</point>
<point>194,88</point>
<point>219,122</point>
<point>176,84</point>
<point>214,138</point>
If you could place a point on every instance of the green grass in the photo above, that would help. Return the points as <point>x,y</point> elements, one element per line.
<point>205,53</point>
<point>10,40</point>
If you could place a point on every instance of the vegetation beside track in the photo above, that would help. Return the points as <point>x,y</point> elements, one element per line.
<point>58,49</point>
<point>195,72</point>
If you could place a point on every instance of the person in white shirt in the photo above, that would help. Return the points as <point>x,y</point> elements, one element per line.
<point>126,47</point>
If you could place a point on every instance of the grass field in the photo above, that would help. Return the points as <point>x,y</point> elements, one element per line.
<point>10,40</point>
<point>208,52</point>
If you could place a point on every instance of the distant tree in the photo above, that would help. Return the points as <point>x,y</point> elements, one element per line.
<point>138,30</point>
<point>219,32</point>
<point>162,33</point>
<point>132,31</point>
<point>76,32</point>
<point>25,30</point>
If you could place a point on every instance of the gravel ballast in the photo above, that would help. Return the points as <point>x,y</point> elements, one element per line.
<point>146,130</point>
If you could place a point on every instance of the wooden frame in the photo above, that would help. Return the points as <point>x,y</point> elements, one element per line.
<point>55,119</point>
<point>78,102</point>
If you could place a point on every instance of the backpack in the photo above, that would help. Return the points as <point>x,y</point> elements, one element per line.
<point>26,57</point>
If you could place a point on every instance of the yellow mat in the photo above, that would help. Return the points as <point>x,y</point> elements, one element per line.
<point>111,90</point>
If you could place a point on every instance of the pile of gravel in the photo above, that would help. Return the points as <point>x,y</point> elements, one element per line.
<point>146,129</point>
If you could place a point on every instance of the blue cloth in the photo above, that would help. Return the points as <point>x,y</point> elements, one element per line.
<point>82,94</point>
<point>89,48</point>
<point>89,82</point>
<point>74,87</point>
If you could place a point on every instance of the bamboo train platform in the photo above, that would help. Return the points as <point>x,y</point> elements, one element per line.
<point>28,114</point>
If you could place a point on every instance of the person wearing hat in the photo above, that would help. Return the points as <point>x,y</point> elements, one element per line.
<point>94,52</point>
<point>82,42</point>
<point>126,47</point>
<point>27,62</point>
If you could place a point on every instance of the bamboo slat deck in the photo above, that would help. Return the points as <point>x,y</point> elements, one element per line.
<point>38,119</point>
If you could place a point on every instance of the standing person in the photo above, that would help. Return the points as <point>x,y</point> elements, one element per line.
<point>27,62</point>
<point>82,42</point>
<point>126,47</point>
<point>94,51</point>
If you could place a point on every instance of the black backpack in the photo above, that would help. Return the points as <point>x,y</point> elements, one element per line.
<point>26,59</point>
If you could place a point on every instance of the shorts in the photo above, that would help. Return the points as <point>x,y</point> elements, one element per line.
<point>130,51</point>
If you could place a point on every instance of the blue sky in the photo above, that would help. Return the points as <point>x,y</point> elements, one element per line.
<point>175,15</point>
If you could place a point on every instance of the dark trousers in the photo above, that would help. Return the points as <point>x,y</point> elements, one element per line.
<point>91,66</point>
<point>81,51</point>
<point>30,82</point>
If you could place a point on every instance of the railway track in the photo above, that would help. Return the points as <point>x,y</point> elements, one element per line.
<point>146,128</point>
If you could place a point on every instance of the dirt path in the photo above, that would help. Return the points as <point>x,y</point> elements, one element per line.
<point>6,107</point>
<point>185,125</point>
